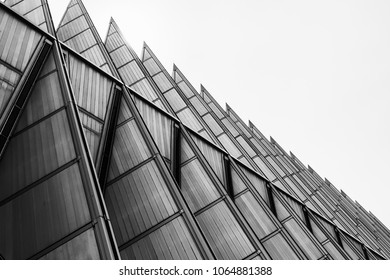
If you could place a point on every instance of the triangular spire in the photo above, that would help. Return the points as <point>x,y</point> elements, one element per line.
<point>37,11</point>
<point>130,67</point>
<point>41,169</point>
<point>78,32</point>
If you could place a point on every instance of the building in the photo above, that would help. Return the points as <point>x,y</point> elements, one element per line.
<point>104,155</point>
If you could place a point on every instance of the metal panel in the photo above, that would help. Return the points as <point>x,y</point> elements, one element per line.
<point>185,89</point>
<point>213,125</point>
<point>198,105</point>
<point>188,118</point>
<point>296,207</point>
<point>255,215</point>
<point>72,13</point>
<point>75,31</point>
<point>213,156</point>
<point>281,211</point>
<point>225,236</point>
<point>229,146</point>
<point>43,215</point>
<point>129,149</point>
<point>82,41</point>
<point>152,67</point>
<point>17,41</point>
<point>159,126</point>
<point>35,153</point>
<point>170,242</point>
<point>144,88</point>
<point>257,182</point>
<point>139,201</point>
<point>279,249</point>
<point>82,247</point>
<point>131,73</point>
<point>238,183</point>
<point>162,82</point>
<point>8,82</point>
<point>71,28</point>
<point>331,249</point>
<point>124,112</point>
<point>45,98</point>
<point>186,152</point>
<point>301,237</point>
<point>264,168</point>
<point>230,128</point>
<point>174,100</point>
<point>91,88</point>
<point>197,188</point>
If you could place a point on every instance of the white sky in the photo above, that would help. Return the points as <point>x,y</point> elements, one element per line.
<point>312,74</point>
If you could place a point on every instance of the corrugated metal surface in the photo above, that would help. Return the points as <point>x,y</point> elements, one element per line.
<point>332,250</point>
<point>175,100</point>
<point>131,73</point>
<point>43,215</point>
<point>152,67</point>
<point>124,112</point>
<point>255,215</point>
<point>213,125</point>
<point>82,247</point>
<point>225,236</point>
<point>197,188</point>
<point>162,82</point>
<point>91,89</point>
<point>198,105</point>
<point>75,32</point>
<point>189,119</point>
<point>17,41</point>
<point>73,27</point>
<point>229,146</point>
<point>46,97</point>
<point>257,182</point>
<point>8,81</point>
<point>159,126</point>
<point>279,249</point>
<point>238,183</point>
<point>144,88</point>
<point>35,153</point>
<point>296,207</point>
<point>139,201</point>
<point>301,237</point>
<point>185,89</point>
<point>213,156</point>
<point>186,152</point>
<point>170,242</point>
<point>129,149</point>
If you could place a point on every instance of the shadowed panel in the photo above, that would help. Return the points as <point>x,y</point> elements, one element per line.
<point>139,201</point>
<point>170,242</point>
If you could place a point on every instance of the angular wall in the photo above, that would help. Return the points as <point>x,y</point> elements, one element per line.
<point>104,155</point>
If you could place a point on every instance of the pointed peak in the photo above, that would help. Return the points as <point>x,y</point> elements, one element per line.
<point>37,12</point>
<point>75,20</point>
<point>175,68</point>
<point>145,45</point>
<point>292,155</point>
<point>272,140</point>
<point>202,88</point>
<point>114,24</point>
<point>228,108</point>
<point>251,125</point>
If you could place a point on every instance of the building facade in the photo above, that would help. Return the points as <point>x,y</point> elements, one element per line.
<point>104,155</point>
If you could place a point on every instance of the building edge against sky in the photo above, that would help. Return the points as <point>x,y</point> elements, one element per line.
<point>116,158</point>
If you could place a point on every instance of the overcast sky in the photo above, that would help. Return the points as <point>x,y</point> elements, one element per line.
<point>314,75</point>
